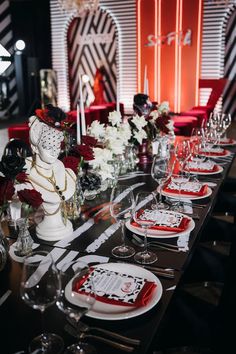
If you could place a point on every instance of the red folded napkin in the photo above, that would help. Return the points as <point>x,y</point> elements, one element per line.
<point>214,169</point>
<point>134,291</point>
<point>215,153</point>
<point>200,193</point>
<point>225,142</point>
<point>182,226</point>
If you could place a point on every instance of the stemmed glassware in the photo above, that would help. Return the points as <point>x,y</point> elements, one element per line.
<point>40,289</point>
<point>75,303</point>
<point>121,209</point>
<point>143,216</point>
<point>182,152</point>
<point>179,180</point>
<point>160,172</point>
<point>226,120</point>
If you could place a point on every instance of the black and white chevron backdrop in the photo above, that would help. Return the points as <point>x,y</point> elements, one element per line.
<point>92,41</point>
<point>6,40</point>
<point>229,102</point>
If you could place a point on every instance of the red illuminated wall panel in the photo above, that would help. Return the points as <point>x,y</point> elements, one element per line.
<point>173,68</point>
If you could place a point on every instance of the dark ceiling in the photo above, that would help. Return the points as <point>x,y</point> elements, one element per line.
<point>31,22</point>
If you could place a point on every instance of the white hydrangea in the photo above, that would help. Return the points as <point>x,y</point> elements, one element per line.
<point>140,135</point>
<point>96,129</point>
<point>106,171</point>
<point>115,118</point>
<point>111,133</point>
<point>125,132</point>
<point>139,122</point>
<point>154,114</point>
<point>170,126</point>
<point>116,146</point>
<point>101,156</point>
<point>163,107</point>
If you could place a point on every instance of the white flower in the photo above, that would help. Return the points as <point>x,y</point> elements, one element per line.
<point>139,122</point>
<point>111,133</point>
<point>106,171</point>
<point>140,135</point>
<point>116,146</point>
<point>163,107</point>
<point>100,156</point>
<point>96,129</point>
<point>170,126</point>
<point>115,118</point>
<point>154,114</point>
<point>125,132</point>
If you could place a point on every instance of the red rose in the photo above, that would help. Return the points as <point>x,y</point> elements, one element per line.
<point>71,162</point>
<point>161,123</point>
<point>22,177</point>
<point>89,140</point>
<point>6,189</point>
<point>85,151</point>
<point>31,197</point>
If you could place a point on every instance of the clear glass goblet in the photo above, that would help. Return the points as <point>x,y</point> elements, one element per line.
<point>179,180</point>
<point>143,217</point>
<point>40,289</point>
<point>121,209</point>
<point>75,302</point>
<point>160,172</point>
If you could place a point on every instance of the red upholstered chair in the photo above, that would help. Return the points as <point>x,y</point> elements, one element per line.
<point>203,112</point>
<point>184,124</point>
<point>19,131</point>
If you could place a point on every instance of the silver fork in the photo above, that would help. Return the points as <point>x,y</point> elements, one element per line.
<point>73,332</point>
<point>167,246</point>
<point>83,327</point>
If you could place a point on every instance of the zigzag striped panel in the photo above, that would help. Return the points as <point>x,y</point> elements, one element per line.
<point>215,19</point>
<point>229,104</point>
<point>92,41</point>
<point>123,13</point>
<point>6,39</point>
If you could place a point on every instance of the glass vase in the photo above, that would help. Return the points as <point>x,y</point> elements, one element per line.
<point>4,247</point>
<point>24,242</point>
<point>131,157</point>
<point>161,146</point>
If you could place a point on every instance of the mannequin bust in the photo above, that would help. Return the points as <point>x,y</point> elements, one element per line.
<point>48,176</point>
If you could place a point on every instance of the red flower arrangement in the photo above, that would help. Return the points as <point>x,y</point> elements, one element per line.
<point>7,191</point>
<point>31,197</point>
<point>71,162</point>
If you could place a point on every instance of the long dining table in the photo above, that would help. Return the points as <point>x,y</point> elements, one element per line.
<point>95,234</point>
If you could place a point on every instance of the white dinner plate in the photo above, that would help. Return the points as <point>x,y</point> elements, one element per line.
<point>227,153</point>
<point>104,311</point>
<point>187,196</point>
<point>199,172</point>
<point>229,142</point>
<point>162,233</point>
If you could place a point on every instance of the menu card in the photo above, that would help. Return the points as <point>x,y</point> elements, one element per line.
<point>116,288</point>
<point>164,220</point>
<point>188,187</point>
<point>203,165</point>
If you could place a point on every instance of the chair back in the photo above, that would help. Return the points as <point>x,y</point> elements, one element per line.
<point>217,86</point>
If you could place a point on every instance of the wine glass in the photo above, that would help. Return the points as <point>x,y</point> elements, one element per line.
<point>214,119</point>
<point>210,139</point>
<point>179,179</point>
<point>182,152</point>
<point>144,215</point>
<point>226,121</point>
<point>40,289</point>
<point>76,298</point>
<point>160,172</point>
<point>121,209</point>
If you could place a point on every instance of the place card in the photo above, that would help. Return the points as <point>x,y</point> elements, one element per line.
<point>116,288</point>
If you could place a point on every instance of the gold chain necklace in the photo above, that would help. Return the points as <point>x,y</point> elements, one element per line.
<point>56,189</point>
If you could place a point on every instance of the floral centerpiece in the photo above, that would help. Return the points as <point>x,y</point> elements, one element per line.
<point>24,201</point>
